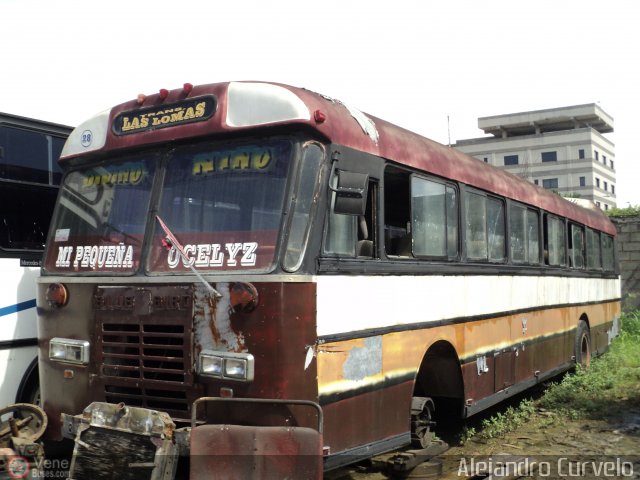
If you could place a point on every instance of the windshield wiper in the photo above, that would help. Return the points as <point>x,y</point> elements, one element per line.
<point>172,241</point>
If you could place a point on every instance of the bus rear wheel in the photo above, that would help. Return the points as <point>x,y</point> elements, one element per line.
<point>583,345</point>
<point>422,411</point>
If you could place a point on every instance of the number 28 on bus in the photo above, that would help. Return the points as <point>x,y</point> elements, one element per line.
<point>317,280</point>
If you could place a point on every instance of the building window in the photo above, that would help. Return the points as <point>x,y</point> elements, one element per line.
<point>598,182</point>
<point>549,156</point>
<point>611,163</point>
<point>613,189</point>
<point>598,204</point>
<point>581,153</point>
<point>605,185</point>
<point>583,181</point>
<point>604,159</point>
<point>550,183</point>
<point>511,159</point>
<point>606,207</point>
<point>597,154</point>
<point>486,160</point>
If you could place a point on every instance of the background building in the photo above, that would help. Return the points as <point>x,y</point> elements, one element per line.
<point>561,149</point>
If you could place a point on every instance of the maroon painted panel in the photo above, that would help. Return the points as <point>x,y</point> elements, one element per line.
<point>235,451</point>
<point>368,417</point>
<point>504,369</point>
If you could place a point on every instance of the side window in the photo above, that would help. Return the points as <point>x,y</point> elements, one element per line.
<point>593,249</point>
<point>476,220</point>
<point>533,237</point>
<point>517,234</point>
<point>607,253</point>
<point>397,212</point>
<point>485,232</point>
<point>352,235</point>
<point>25,155</point>
<point>524,235</point>
<point>495,229</point>
<point>576,246</point>
<point>434,218</point>
<point>554,241</point>
<point>25,212</point>
<point>341,230</point>
<point>304,205</point>
<point>56,149</point>
<point>428,218</point>
<point>452,221</point>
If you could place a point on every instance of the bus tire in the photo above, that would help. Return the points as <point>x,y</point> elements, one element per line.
<point>583,345</point>
<point>422,412</point>
<point>29,389</point>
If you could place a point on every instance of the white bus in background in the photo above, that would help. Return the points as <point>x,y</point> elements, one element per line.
<point>29,180</point>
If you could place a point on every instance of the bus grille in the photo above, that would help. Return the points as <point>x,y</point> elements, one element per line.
<point>147,365</point>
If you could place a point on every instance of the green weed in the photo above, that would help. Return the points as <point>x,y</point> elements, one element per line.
<point>630,211</point>
<point>502,423</point>
<point>466,434</point>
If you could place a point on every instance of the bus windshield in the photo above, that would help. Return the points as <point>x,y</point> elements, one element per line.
<point>100,220</point>
<point>223,204</point>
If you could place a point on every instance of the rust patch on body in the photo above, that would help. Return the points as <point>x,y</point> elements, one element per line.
<point>212,321</point>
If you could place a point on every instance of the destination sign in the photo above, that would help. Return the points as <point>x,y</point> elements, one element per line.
<point>251,159</point>
<point>162,116</point>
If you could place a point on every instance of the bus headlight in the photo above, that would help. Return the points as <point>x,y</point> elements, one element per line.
<point>211,365</point>
<point>227,365</point>
<point>68,350</point>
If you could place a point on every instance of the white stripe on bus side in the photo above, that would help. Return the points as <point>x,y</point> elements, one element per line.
<point>355,303</point>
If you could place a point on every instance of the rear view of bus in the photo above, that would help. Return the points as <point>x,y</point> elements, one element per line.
<point>271,283</point>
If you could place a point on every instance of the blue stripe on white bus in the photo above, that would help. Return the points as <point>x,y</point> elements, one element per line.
<point>18,307</point>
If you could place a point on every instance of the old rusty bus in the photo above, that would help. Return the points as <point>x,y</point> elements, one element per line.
<point>249,268</point>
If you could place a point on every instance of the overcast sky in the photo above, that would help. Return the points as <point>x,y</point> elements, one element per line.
<point>411,63</point>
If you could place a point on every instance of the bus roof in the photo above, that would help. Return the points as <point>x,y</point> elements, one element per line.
<point>231,107</point>
<point>34,124</point>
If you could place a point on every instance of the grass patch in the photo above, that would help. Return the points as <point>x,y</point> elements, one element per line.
<point>500,424</point>
<point>609,380</point>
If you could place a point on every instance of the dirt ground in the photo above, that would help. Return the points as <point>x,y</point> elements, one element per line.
<point>604,447</point>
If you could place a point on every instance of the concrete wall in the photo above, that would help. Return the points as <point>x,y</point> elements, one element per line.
<point>629,258</point>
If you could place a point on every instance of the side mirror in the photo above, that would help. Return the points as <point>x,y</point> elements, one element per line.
<point>351,193</point>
